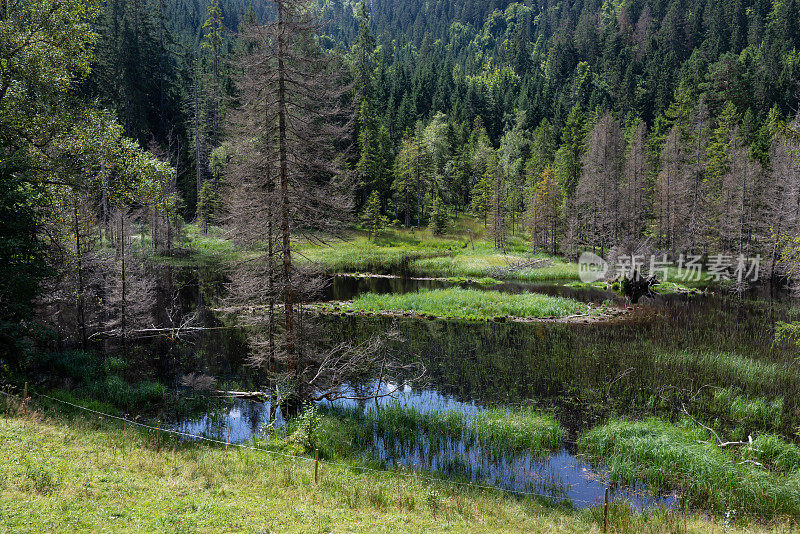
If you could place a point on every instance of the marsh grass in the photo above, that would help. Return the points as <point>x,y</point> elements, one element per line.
<point>506,430</point>
<point>109,383</point>
<point>421,254</point>
<point>363,256</point>
<point>751,375</point>
<point>389,436</point>
<point>747,413</point>
<point>775,452</point>
<point>469,304</point>
<point>685,458</point>
<point>517,429</point>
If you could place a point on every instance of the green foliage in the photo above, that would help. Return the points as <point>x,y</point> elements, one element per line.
<point>105,381</point>
<point>439,217</point>
<point>371,217</point>
<point>305,428</point>
<point>788,333</point>
<point>21,254</point>
<point>208,205</point>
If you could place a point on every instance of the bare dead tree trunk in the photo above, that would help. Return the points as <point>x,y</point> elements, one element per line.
<point>288,299</point>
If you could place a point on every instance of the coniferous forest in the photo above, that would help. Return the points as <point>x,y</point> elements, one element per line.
<point>314,205</point>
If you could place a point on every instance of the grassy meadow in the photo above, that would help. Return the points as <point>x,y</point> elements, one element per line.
<point>90,475</point>
<point>464,251</point>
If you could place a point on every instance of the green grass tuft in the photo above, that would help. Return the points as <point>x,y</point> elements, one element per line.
<point>469,304</point>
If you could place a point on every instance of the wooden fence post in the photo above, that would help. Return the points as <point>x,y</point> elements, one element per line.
<point>158,437</point>
<point>316,466</point>
<point>605,513</point>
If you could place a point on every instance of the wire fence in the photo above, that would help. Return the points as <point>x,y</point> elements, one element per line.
<point>725,515</point>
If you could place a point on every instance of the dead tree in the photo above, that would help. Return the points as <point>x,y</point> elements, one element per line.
<point>287,138</point>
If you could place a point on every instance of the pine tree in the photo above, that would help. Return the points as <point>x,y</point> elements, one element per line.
<point>372,218</point>
<point>438,217</point>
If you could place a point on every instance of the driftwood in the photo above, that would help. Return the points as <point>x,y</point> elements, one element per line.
<point>529,264</point>
<point>245,395</point>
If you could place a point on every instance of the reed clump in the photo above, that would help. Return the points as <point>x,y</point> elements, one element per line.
<point>688,459</point>
<point>495,429</point>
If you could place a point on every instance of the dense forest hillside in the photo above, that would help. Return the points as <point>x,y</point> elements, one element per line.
<point>544,70</point>
<point>573,125</point>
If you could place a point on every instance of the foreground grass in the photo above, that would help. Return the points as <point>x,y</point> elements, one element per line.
<point>90,476</point>
<point>687,459</point>
<point>469,304</point>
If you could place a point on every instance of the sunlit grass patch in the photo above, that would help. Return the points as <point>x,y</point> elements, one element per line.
<point>486,261</point>
<point>469,304</point>
<point>363,256</point>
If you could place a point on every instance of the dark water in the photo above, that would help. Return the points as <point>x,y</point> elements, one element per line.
<point>658,357</point>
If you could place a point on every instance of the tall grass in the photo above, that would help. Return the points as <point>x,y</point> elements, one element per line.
<point>686,459</point>
<point>497,430</point>
<point>746,412</point>
<point>469,304</point>
<point>727,368</point>
<point>775,452</point>
<point>104,380</point>
<point>518,429</point>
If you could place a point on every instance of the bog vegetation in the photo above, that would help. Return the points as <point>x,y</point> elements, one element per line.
<point>469,304</point>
